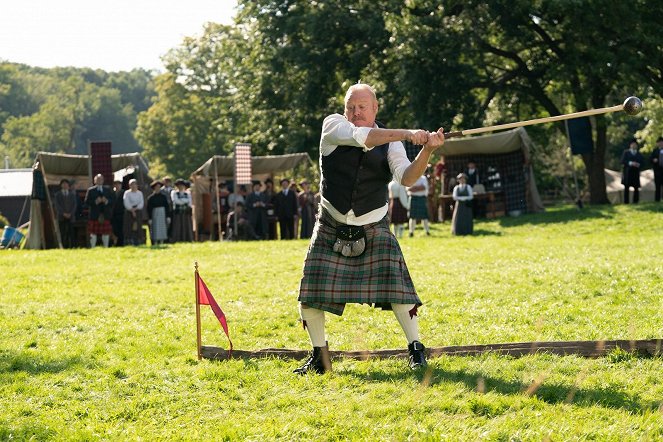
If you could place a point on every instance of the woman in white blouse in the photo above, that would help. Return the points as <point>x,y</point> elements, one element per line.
<point>182,227</point>
<point>461,221</point>
<point>133,216</point>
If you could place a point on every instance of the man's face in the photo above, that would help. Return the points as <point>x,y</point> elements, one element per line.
<point>361,108</point>
<point>99,180</point>
<point>64,185</point>
<point>659,144</point>
<point>285,184</point>
<point>634,146</point>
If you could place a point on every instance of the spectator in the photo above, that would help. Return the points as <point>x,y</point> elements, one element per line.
<point>158,211</point>
<point>182,228</point>
<point>307,209</point>
<point>66,203</point>
<point>271,213</point>
<point>461,220</point>
<point>632,161</point>
<point>399,204</point>
<point>244,229</point>
<point>99,200</point>
<point>419,204</point>
<point>657,164</point>
<point>256,208</point>
<point>224,201</point>
<point>286,208</point>
<point>472,174</point>
<point>167,187</point>
<point>133,202</point>
<point>117,219</point>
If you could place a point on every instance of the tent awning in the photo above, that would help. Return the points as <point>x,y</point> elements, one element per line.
<point>223,165</point>
<point>502,142</point>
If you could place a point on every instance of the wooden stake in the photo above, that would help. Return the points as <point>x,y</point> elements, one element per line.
<point>198,333</point>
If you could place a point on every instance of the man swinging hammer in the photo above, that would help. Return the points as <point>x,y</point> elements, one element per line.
<point>353,256</point>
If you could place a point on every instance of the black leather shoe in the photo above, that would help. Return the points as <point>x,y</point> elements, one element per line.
<point>319,362</point>
<point>417,355</point>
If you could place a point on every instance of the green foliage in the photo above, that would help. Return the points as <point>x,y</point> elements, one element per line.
<point>59,110</point>
<point>100,344</point>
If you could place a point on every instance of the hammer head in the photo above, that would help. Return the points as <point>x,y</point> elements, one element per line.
<point>632,105</point>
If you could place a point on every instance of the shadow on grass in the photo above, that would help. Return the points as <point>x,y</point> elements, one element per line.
<point>482,232</point>
<point>550,393</point>
<point>648,207</point>
<point>559,215</point>
<point>33,363</point>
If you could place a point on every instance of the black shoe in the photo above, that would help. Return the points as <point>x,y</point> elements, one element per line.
<point>417,355</point>
<point>319,362</point>
<point>411,234</point>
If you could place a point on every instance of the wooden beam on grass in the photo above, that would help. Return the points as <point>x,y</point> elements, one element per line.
<point>588,349</point>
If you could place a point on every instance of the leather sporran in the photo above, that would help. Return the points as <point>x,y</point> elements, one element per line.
<point>350,240</point>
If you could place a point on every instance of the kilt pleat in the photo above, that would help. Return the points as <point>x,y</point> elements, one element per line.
<point>418,207</point>
<point>378,277</point>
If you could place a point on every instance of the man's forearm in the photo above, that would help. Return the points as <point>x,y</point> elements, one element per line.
<point>417,168</point>
<point>379,136</point>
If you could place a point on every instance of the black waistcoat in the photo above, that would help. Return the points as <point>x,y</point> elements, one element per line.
<point>357,180</point>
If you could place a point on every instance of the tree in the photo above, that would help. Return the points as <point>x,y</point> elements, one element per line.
<point>541,57</point>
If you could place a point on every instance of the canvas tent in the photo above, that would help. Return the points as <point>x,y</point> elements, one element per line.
<point>15,189</point>
<point>220,168</point>
<point>50,168</point>
<point>503,160</point>
<point>615,189</point>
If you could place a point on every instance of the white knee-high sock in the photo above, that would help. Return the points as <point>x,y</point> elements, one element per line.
<point>426,228</point>
<point>93,240</point>
<point>408,321</point>
<point>314,321</point>
<point>413,223</point>
<point>105,240</point>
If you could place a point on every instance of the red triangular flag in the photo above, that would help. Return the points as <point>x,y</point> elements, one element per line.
<point>205,298</point>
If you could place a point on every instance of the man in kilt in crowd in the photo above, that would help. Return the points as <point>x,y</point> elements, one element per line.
<point>99,200</point>
<point>353,256</point>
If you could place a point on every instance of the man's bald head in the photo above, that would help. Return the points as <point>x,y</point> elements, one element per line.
<point>361,105</point>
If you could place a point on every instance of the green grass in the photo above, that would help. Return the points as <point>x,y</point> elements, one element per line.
<point>100,344</point>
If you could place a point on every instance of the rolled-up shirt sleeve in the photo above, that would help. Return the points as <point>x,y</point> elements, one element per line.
<point>398,160</point>
<point>338,131</point>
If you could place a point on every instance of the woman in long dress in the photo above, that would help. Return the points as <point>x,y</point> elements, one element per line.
<point>182,230</point>
<point>461,221</point>
<point>133,201</point>
<point>158,211</point>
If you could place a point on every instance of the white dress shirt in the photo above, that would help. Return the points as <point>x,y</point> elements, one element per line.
<point>133,200</point>
<point>421,181</point>
<point>180,199</point>
<point>338,131</point>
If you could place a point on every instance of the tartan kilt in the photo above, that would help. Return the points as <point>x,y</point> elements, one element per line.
<point>418,207</point>
<point>378,277</point>
<point>398,213</point>
<point>99,228</point>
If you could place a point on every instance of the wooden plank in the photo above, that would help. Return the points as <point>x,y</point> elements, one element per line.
<point>590,349</point>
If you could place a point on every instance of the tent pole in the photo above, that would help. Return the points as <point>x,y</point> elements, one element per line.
<point>54,220</point>
<point>218,199</point>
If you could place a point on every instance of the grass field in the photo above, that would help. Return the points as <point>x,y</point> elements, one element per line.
<point>100,344</point>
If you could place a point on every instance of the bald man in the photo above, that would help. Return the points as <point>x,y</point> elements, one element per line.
<point>353,257</point>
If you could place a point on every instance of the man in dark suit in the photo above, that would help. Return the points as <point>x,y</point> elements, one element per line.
<point>99,199</point>
<point>117,221</point>
<point>66,204</point>
<point>632,161</point>
<point>657,164</point>
<point>256,206</point>
<point>286,208</point>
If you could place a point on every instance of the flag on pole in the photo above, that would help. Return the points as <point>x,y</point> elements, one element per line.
<point>205,298</point>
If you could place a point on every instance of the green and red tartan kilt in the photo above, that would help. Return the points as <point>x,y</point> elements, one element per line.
<point>99,228</point>
<point>378,277</point>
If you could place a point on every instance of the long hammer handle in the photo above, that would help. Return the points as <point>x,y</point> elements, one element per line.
<point>479,130</point>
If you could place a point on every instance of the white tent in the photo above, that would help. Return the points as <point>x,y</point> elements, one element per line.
<point>615,189</point>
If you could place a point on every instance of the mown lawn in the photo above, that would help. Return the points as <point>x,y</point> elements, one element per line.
<point>100,344</point>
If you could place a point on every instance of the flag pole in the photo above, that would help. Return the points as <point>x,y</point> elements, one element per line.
<point>198,334</point>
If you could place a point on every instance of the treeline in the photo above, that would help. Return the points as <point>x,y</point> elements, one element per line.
<point>60,109</point>
<point>271,77</point>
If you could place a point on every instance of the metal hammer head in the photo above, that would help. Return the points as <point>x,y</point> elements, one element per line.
<point>632,105</point>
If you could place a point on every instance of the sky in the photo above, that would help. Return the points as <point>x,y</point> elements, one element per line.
<point>113,35</point>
